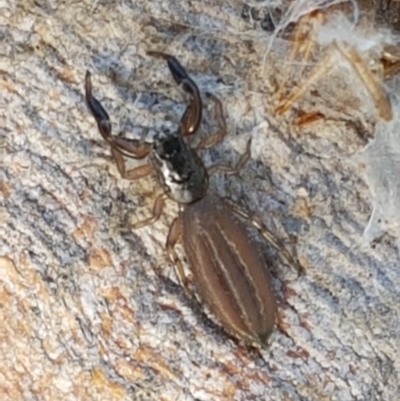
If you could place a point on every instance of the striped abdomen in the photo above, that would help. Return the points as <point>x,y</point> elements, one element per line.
<point>229,271</point>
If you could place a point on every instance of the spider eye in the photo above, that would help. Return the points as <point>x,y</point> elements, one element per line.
<point>171,147</point>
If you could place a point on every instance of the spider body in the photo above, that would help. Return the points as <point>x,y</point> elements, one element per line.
<point>229,272</point>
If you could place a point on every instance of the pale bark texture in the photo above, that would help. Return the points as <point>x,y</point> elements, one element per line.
<point>93,310</point>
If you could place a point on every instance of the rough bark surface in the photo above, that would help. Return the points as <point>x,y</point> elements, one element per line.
<point>91,310</point>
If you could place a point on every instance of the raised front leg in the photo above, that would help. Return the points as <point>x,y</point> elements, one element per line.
<point>191,118</point>
<point>213,139</point>
<point>119,146</point>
